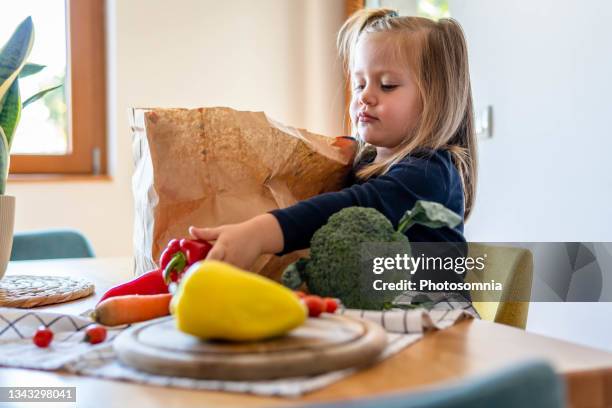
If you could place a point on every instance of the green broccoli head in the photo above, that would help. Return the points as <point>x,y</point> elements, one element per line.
<point>338,265</point>
<point>336,269</point>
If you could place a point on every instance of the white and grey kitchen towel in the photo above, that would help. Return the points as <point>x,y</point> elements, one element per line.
<point>70,353</point>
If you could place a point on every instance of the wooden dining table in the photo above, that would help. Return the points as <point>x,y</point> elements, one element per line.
<point>441,358</point>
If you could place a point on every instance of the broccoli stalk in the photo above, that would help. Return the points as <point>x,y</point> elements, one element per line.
<point>334,268</point>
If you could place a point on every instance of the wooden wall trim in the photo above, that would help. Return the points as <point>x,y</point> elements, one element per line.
<point>350,7</point>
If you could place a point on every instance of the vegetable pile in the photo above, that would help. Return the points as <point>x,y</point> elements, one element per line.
<point>148,295</point>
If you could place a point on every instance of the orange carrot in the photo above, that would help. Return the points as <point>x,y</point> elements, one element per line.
<point>131,309</point>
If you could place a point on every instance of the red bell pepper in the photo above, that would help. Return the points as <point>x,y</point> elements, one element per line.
<point>179,255</point>
<point>149,283</point>
<point>195,250</point>
<point>172,248</point>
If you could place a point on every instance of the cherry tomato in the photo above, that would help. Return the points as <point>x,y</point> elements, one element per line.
<point>300,294</point>
<point>330,305</point>
<point>315,305</point>
<point>95,334</point>
<point>43,336</point>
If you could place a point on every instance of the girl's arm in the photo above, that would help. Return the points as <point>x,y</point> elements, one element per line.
<point>431,178</point>
<point>241,244</point>
<point>284,230</point>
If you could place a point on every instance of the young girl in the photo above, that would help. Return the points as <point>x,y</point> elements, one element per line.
<point>411,112</point>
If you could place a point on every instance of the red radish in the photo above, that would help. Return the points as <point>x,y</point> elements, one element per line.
<point>95,334</point>
<point>43,336</point>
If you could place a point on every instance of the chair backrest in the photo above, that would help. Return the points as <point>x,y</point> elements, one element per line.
<point>50,244</point>
<point>513,268</point>
<point>529,384</point>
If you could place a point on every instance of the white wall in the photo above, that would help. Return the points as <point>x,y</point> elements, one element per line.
<point>546,175</point>
<point>272,55</point>
<point>545,67</point>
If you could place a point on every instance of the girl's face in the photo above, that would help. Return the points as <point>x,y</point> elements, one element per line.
<point>385,103</point>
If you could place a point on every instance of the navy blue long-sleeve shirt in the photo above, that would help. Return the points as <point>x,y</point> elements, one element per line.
<point>427,175</point>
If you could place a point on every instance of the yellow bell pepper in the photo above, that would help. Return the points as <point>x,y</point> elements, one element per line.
<point>216,300</point>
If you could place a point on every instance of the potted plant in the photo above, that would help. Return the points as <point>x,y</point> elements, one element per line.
<point>13,65</point>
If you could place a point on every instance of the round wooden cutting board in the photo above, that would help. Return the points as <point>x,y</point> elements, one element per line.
<point>323,344</point>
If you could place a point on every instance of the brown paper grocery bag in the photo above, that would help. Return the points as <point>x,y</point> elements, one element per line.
<point>214,166</point>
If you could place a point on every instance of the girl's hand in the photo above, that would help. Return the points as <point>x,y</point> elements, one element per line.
<point>241,244</point>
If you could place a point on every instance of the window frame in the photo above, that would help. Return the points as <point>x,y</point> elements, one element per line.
<point>350,7</point>
<point>86,94</point>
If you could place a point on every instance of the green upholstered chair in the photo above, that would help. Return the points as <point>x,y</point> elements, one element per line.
<point>50,244</point>
<point>531,384</point>
<point>511,266</point>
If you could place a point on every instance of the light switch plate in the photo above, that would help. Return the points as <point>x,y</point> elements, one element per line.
<point>484,123</point>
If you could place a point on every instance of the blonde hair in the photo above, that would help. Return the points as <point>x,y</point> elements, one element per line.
<point>437,54</point>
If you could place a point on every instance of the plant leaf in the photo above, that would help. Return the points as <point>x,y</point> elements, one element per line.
<point>4,161</point>
<point>430,214</point>
<point>14,54</point>
<point>31,69</point>
<point>40,94</point>
<point>10,114</point>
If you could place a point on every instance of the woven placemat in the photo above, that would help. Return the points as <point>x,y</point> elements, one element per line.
<point>26,291</point>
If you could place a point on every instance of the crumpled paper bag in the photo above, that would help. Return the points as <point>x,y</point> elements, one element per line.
<point>214,166</point>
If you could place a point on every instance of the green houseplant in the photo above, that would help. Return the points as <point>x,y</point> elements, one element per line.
<point>13,66</point>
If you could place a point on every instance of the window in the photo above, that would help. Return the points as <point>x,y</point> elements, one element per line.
<point>64,132</point>
<point>435,9</point>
